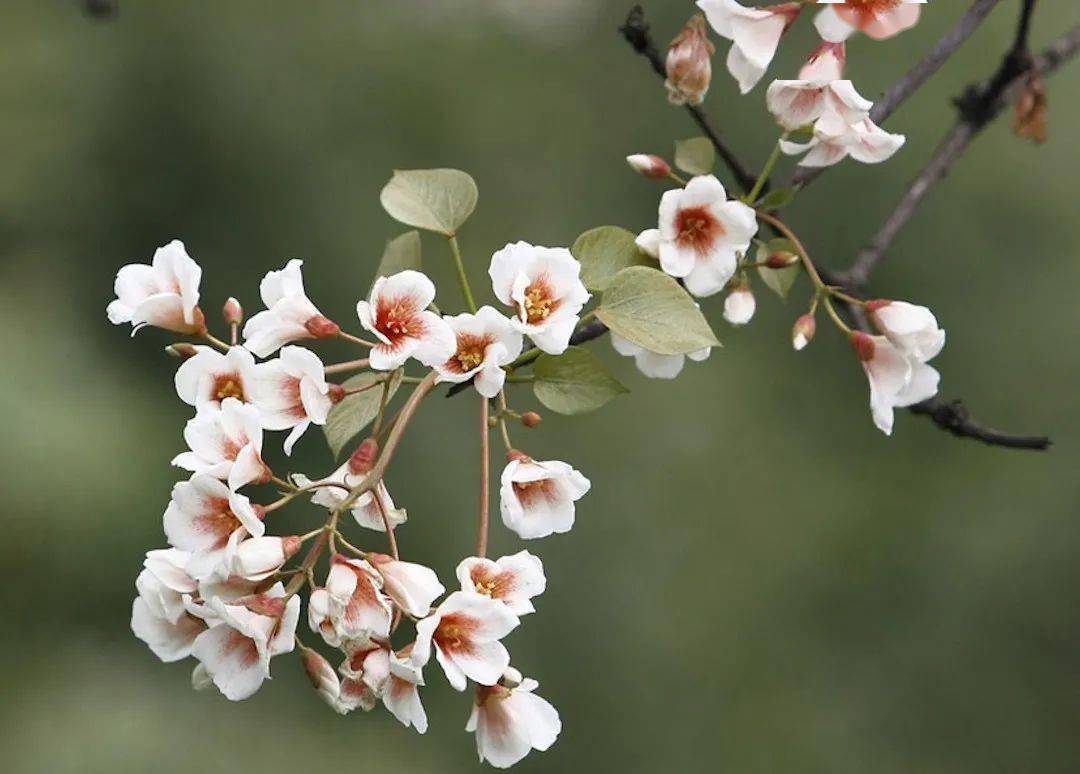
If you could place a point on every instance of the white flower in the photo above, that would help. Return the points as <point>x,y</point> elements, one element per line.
<point>801,102</point>
<point>834,139</point>
<point>237,649</point>
<point>537,498</point>
<point>511,722</point>
<point>225,443</point>
<point>754,32</point>
<point>202,517</point>
<point>357,605</point>
<point>544,286</point>
<point>367,661</point>
<point>825,63</point>
<point>365,510</point>
<point>397,313</point>
<point>159,616</point>
<point>291,392</point>
<point>897,378</point>
<point>739,306</point>
<point>259,558</point>
<point>648,241</point>
<point>413,587</point>
<point>465,630</point>
<point>879,19</point>
<point>289,315</point>
<point>702,233</point>
<point>652,364</point>
<point>401,695</point>
<point>486,341</point>
<point>912,328</point>
<point>209,377</point>
<point>164,294</point>
<point>513,580</point>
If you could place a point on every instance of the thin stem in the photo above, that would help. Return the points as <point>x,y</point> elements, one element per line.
<point>359,552</point>
<point>356,339</point>
<point>835,317</point>
<point>808,264</point>
<point>482,527</point>
<point>234,333</point>
<point>763,178</point>
<point>214,340</point>
<point>348,365</point>
<point>386,524</point>
<point>680,180</point>
<point>377,427</point>
<point>463,280</point>
<point>502,421</point>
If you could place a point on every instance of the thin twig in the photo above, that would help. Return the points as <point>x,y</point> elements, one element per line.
<point>485,462</point>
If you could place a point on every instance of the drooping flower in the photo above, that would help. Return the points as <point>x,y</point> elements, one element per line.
<point>689,64</point>
<point>739,306</point>
<point>537,498</point>
<point>367,510</point>
<point>209,377</point>
<point>912,328</point>
<point>880,19</point>
<point>225,443</point>
<point>543,285</point>
<point>486,341</point>
<point>397,313</point>
<point>897,378</point>
<point>413,587</point>
<point>754,34</point>
<point>323,679</point>
<point>513,580</point>
<point>291,392</point>
<point>702,233</point>
<point>465,631</point>
<point>401,694</point>
<point>834,139</point>
<point>258,558</point>
<point>510,722</point>
<point>159,616</point>
<point>653,364</point>
<point>368,661</point>
<point>164,294</point>
<point>202,516</point>
<point>825,63</point>
<point>801,102</point>
<point>236,650</point>
<point>361,608</point>
<point>289,315</point>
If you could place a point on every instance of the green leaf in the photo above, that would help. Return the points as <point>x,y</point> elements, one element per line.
<point>779,281</point>
<point>355,412</point>
<point>603,252</point>
<point>401,253</point>
<point>650,309</point>
<point>433,199</point>
<point>574,382</point>
<point>695,156</point>
<point>781,197</point>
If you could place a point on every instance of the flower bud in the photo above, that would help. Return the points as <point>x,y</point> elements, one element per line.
<point>1029,120</point>
<point>181,349</point>
<point>864,346</point>
<point>531,419</point>
<point>363,458</point>
<point>335,392</point>
<point>232,311</point>
<point>322,327</point>
<point>649,165</point>
<point>739,306</point>
<point>781,259</point>
<point>259,558</point>
<point>323,677</point>
<point>803,332</point>
<point>689,65</point>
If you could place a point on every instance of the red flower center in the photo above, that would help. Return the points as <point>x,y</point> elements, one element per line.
<point>228,386</point>
<point>454,634</point>
<point>698,229</point>
<point>491,584</point>
<point>470,352</point>
<point>396,318</point>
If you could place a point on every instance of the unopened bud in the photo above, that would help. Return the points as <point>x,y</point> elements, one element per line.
<point>864,345</point>
<point>531,419</point>
<point>323,677</point>
<point>258,558</point>
<point>803,331</point>
<point>232,311</point>
<point>649,165</point>
<point>322,327</point>
<point>740,305</point>
<point>689,64</point>
<point>515,455</point>
<point>1029,120</point>
<point>335,392</point>
<point>182,350</point>
<point>363,458</point>
<point>781,259</point>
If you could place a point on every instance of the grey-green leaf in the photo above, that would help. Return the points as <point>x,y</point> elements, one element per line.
<point>695,156</point>
<point>574,382</point>
<point>349,417</point>
<point>650,309</point>
<point>779,281</point>
<point>401,253</point>
<point>432,199</point>
<point>603,252</point>
<point>780,197</point>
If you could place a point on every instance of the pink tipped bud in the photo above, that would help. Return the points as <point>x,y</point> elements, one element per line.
<point>336,393</point>
<point>649,165</point>
<point>864,345</point>
<point>876,304</point>
<point>781,259</point>
<point>232,311</point>
<point>182,350</point>
<point>322,327</point>
<point>518,456</point>
<point>803,332</point>
<point>323,677</point>
<point>689,64</point>
<point>363,458</point>
<point>531,419</point>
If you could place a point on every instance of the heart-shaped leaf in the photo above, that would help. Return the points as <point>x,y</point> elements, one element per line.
<point>603,252</point>
<point>574,382</point>
<point>695,156</point>
<point>432,199</point>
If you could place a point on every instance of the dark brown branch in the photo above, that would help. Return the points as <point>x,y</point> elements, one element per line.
<point>636,32</point>
<point>953,417</point>
<point>918,75</point>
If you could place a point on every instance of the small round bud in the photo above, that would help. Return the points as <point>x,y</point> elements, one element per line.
<point>781,259</point>
<point>531,419</point>
<point>739,306</point>
<point>322,327</point>
<point>689,64</point>
<point>363,458</point>
<point>803,331</point>
<point>649,165</point>
<point>232,311</point>
<point>182,350</point>
<point>336,393</point>
<point>323,677</point>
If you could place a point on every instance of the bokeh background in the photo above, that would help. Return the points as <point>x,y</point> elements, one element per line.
<point>759,580</point>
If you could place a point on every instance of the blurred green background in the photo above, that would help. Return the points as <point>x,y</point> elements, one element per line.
<point>759,580</point>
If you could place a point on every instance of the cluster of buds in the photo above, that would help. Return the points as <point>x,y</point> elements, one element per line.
<point>227,593</point>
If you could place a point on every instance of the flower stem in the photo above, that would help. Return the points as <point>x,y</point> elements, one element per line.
<point>502,421</point>
<point>463,280</point>
<point>348,365</point>
<point>763,178</point>
<point>482,528</point>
